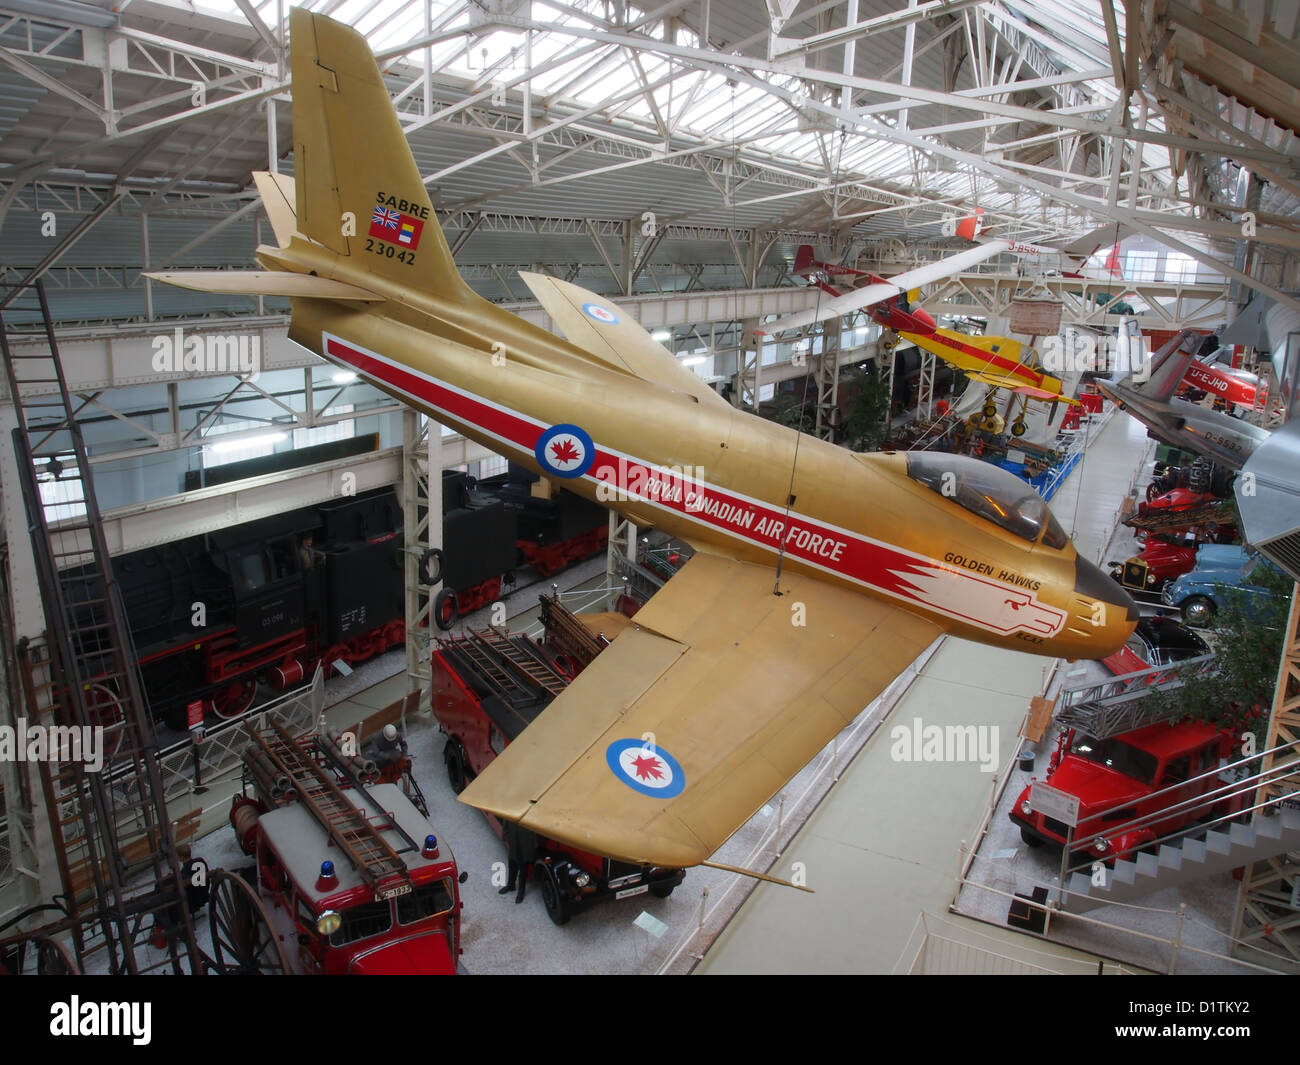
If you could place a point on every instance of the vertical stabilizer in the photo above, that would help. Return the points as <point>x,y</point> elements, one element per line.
<point>1168,367</point>
<point>357,189</point>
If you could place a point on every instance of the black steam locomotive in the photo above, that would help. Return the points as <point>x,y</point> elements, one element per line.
<point>211,616</point>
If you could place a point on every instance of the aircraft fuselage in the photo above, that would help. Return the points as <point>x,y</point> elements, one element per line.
<point>708,473</point>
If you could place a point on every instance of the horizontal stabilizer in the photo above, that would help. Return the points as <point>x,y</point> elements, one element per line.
<point>264,283</point>
<point>611,335</point>
<point>277,194</point>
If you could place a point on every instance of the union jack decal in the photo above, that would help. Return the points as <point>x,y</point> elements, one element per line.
<point>385,217</point>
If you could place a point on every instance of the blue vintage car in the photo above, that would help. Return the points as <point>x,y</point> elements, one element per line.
<point>1198,595</point>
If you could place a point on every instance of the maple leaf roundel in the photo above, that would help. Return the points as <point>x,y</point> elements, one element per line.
<point>565,451</point>
<point>645,768</point>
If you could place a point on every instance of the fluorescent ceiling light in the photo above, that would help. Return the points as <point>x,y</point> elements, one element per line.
<point>248,441</point>
<point>694,361</point>
<point>344,377</point>
<point>662,335</point>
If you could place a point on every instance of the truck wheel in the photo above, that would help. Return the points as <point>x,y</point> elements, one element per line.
<point>1199,610</point>
<point>662,891</point>
<point>1030,839</point>
<point>446,609</point>
<point>456,776</point>
<point>557,906</point>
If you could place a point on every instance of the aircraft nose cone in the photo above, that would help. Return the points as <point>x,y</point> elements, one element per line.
<point>1089,580</point>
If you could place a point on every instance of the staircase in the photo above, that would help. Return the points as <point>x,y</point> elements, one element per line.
<point>1220,850</point>
<point>1214,842</point>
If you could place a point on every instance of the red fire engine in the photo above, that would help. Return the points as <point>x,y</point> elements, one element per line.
<point>349,878</point>
<point>1123,780</point>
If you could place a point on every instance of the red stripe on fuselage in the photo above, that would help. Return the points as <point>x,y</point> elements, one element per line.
<point>827,547</point>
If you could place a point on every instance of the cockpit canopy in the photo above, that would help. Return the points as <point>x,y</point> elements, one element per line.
<point>992,493</point>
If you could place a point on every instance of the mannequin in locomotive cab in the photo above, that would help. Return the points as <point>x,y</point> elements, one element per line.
<point>308,556</point>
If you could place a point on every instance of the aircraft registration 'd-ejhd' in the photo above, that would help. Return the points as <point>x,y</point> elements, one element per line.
<point>819,575</point>
<point>1219,437</point>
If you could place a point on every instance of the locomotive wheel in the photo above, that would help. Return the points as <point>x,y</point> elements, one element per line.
<point>446,609</point>
<point>431,567</point>
<point>1151,492</point>
<point>105,711</point>
<point>557,907</point>
<point>234,699</point>
<point>242,937</point>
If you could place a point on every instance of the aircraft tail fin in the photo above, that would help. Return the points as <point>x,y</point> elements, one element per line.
<point>968,228</point>
<point>1168,366</point>
<point>358,191</point>
<point>803,259</point>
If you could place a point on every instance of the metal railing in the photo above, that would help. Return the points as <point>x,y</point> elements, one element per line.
<point>191,763</point>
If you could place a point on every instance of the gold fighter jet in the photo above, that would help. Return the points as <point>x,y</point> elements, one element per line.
<point>819,575</point>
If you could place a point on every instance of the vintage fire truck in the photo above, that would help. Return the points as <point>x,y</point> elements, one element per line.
<point>488,686</point>
<point>1127,778</point>
<point>1169,529</point>
<point>349,877</point>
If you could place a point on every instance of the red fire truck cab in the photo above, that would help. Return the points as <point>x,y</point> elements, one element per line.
<point>1125,778</point>
<point>354,878</point>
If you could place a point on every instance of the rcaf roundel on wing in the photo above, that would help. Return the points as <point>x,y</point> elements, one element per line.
<point>646,768</point>
<point>565,451</point>
<point>601,314</point>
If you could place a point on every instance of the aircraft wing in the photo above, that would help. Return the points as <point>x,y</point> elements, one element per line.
<point>264,283</point>
<point>614,337</point>
<point>868,295</point>
<point>997,380</point>
<point>702,711</point>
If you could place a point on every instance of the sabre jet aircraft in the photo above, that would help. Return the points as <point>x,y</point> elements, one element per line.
<point>814,584</point>
<point>997,362</point>
<point>1219,437</point>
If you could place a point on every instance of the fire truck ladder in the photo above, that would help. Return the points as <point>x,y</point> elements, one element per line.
<point>479,658</point>
<point>349,827</point>
<point>108,823</point>
<point>566,631</point>
<point>1121,704</point>
<point>1219,512</point>
<point>520,655</point>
